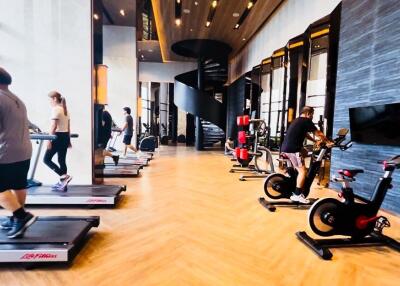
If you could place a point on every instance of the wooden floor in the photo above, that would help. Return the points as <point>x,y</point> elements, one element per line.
<point>187,221</point>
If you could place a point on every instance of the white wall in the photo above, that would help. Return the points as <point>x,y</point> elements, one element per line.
<point>46,45</point>
<point>119,54</point>
<point>163,72</point>
<point>290,20</point>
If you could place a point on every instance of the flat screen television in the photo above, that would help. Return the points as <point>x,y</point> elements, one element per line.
<point>378,125</point>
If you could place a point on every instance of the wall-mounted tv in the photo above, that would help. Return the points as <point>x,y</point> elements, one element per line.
<point>378,125</point>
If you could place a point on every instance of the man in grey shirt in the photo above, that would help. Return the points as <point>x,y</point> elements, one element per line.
<point>128,130</point>
<point>15,155</point>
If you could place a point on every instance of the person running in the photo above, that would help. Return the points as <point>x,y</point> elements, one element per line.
<point>106,135</point>
<point>128,131</point>
<point>60,126</point>
<point>292,147</point>
<point>229,147</point>
<point>15,156</point>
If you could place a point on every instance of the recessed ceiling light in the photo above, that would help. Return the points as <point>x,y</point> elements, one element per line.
<point>244,39</point>
<point>208,23</point>
<point>236,14</point>
<point>150,50</point>
<point>96,16</point>
<point>237,26</point>
<point>122,12</point>
<point>142,56</point>
<point>196,3</point>
<point>214,3</point>
<point>178,22</point>
<point>139,50</point>
<point>186,11</point>
<point>250,5</point>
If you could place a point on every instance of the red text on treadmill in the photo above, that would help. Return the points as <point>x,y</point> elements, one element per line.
<point>33,256</point>
<point>96,201</point>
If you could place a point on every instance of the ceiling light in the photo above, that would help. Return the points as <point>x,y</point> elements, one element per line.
<point>196,3</point>
<point>244,39</point>
<point>186,11</point>
<point>235,14</point>
<point>150,50</point>
<point>122,12</point>
<point>245,13</point>
<point>96,16</point>
<point>178,12</point>
<point>211,12</point>
<point>191,30</point>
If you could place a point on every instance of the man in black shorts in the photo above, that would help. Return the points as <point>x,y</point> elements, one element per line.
<point>292,147</point>
<point>15,155</point>
<point>128,131</point>
<point>106,135</point>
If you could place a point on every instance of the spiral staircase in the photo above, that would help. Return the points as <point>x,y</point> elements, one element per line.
<point>197,92</point>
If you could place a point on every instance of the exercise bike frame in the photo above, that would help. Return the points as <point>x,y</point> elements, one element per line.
<point>357,220</point>
<point>290,179</point>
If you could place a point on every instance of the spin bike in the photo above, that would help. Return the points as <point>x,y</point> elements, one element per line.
<point>252,149</point>
<point>358,220</point>
<point>278,186</point>
<point>263,164</point>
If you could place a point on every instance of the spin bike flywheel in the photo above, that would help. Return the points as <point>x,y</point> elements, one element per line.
<point>323,215</point>
<point>277,186</point>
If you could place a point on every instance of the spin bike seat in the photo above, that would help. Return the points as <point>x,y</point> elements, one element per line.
<point>350,172</point>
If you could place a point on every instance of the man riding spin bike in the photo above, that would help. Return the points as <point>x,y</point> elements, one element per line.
<point>292,147</point>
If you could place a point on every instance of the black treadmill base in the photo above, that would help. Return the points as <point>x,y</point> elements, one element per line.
<point>49,241</point>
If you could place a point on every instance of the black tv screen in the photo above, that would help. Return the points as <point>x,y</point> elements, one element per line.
<point>378,125</point>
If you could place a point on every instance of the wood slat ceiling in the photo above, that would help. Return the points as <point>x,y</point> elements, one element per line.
<point>193,24</point>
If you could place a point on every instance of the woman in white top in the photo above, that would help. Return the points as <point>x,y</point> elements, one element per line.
<point>60,126</point>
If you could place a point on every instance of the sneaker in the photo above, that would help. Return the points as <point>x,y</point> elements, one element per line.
<point>64,181</point>
<point>115,159</point>
<point>56,186</point>
<point>7,224</point>
<point>19,226</point>
<point>299,198</point>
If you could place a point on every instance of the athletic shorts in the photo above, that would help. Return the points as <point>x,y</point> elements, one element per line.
<point>296,159</point>
<point>14,176</point>
<point>127,139</point>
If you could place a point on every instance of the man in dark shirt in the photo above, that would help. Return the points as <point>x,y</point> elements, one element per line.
<point>128,131</point>
<point>106,132</point>
<point>292,147</point>
<point>15,156</point>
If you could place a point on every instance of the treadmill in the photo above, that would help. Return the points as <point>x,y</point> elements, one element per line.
<point>49,240</point>
<point>79,195</point>
<point>112,171</point>
<point>126,162</point>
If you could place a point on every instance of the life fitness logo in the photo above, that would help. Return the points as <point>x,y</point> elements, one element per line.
<point>34,256</point>
<point>96,201</point>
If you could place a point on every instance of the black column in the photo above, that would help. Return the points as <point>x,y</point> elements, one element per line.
<point>200,86</point>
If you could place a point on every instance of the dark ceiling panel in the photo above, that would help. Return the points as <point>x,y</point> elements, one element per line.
<point>112,15</point>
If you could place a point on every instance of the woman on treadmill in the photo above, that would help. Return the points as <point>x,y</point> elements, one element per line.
<point>60,126</point>
<point>15,156</point>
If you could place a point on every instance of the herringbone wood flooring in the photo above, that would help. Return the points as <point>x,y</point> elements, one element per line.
<point>187,221</point>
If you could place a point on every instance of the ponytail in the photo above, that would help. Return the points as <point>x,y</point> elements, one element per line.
<point>64,105</point>
<point>60,100</point>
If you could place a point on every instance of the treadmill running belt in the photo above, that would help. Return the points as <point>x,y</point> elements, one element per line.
<point>78,190</point>
<point>43,231</point>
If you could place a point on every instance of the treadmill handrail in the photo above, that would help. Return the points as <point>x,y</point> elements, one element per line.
<point>45,136</point>
<point>42,136</point>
